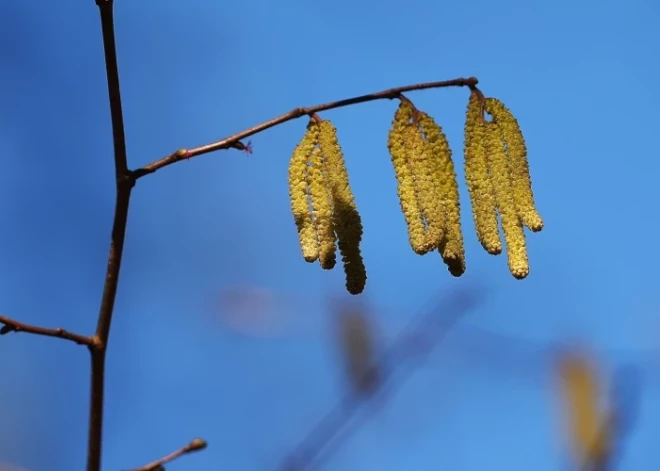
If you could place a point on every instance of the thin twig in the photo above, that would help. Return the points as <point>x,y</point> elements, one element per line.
<point>197,444</point>
<point>234,141</point>
<point>125,183</point>
<point>10,325</point>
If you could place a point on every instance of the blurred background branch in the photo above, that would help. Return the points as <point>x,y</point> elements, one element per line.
<point>371,378</point>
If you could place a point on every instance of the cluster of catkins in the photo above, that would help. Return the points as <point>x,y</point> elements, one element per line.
<point>497,174</point>
<point>323,204</point>
<point>427,187</point>
<point>496,171</point>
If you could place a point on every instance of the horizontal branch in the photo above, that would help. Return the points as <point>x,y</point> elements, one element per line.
<point>10,325</point>
<point>234,141</point>
<point>197,444</point>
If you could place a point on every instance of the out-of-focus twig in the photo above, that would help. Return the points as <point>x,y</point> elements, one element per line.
<point>197,444</point>
<point>328,431</point>
<point>11,325</point>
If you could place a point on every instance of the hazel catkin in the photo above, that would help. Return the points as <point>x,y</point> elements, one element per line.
<point>514,234</point>
<point>321,201</point>
<point>399,146</point>
<point>346,218</point>
<point>480,186</point>
<point>419,158</point>
<point>518,163</point>
<point>299,191</point>
<point>451,246</point>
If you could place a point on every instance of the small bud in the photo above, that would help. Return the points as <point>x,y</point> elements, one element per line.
<point>197,444</point>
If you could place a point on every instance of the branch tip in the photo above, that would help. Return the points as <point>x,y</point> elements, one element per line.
<point>197,444</point>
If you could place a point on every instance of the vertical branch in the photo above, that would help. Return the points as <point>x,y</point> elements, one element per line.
<point>112,72</point>
<point>125,183</point>
<point>100,339</point>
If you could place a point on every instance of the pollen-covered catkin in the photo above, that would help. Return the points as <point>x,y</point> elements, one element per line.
<point>299,191</point>
<point>322,210</point>
<point>398,146</point>
<point>421,165</point>
<point>480,187</point>
<point>451,247</point>
<point>518,163</point>
<point>346,219</point>
<point>514,234</point>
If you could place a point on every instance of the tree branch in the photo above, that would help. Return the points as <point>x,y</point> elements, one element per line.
<point>112,72</point>
<point>10,325</point>
<point>197,444</point>
<point>125,183</point>
<point>234,141</point>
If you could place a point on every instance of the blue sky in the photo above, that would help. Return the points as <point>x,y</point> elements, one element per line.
<point>580,77</point>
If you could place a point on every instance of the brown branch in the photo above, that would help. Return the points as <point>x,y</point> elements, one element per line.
<point>234,141</point>
<point>10,325</point>
<point>112,72</point>
<point>197,444</point>
<point>125,183</point>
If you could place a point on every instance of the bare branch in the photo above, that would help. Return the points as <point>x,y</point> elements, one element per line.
<point>197,444</point>
<point>234,141</point>
<point>125,183</point>
<point>10,325</point>
<point>112,72</point>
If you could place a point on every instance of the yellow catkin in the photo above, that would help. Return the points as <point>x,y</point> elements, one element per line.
<point>346,219</point>
<point>589,430</point>
<point>480,186</point>
<point>518,163</point>
<point>421,166</point>
<point>322,209</point>
<point>514,233</point>
<point>298,192</point>
<point>397,146</point>
<point>451,247</point>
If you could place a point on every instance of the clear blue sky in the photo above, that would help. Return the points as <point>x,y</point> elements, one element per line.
<point>581,78</point>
